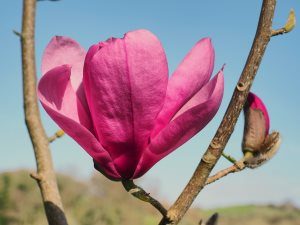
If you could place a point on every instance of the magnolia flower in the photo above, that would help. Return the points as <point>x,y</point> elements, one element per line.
<point>257,141</point>
<point>117,102</point>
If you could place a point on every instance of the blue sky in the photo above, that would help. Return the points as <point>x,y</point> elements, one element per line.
<point>179,25</point>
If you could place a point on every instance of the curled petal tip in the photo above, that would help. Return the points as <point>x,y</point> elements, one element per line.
<point>58,37</point>
<point>61,40</point>
<point>208,39</point>
<point>223,67</point>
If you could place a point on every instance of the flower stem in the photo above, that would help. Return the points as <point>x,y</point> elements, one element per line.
<point>141,194</point>
<point>229,158</point>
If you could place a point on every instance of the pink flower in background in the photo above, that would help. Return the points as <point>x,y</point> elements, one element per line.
<point>117,102</point>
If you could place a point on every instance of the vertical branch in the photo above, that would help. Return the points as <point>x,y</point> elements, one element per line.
<point>217,145</point>
<point>45,175</point>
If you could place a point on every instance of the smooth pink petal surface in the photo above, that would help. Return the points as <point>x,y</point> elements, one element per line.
<point>194,116</point>
<point>125,83</point>
<point>256,103</point>
<point>191,75</point>
<point>86,69</point>
<point>61,103</point>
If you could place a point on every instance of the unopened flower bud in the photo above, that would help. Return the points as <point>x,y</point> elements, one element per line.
<point>256,124</point>
<point>258,145</point>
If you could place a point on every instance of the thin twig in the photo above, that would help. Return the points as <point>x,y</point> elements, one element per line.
<point>238,166</point>
<point>229,158</point>
<point>141,194</point>
<point>58,134</point>
<point>289,25</point>
<point>251,160</point>
<point>45,175</point>
<point>278,31</point>
<point>216,147</point>
<point>17,33</point>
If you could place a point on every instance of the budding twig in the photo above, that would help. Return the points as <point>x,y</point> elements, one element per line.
<point>238,166</point>
<point>251,160</point>
<point>229,158</point>
<point>57,134</point>
<point>289,25</point>
<point>139,193</point>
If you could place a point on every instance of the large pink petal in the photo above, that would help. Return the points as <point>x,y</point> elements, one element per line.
<point>191,75</point>
<point>60,101</point>
<point>194,116</point>
<point>125,84</point>
<point>64,50</point>
<point>86,70</point>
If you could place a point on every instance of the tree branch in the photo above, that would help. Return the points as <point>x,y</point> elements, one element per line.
<point>139,193</point>
<point>45,175</point>
<point>238,166</point>
<point>217,145</point>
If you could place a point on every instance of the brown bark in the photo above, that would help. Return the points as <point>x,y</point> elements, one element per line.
<point>217,145</point>
<point>45,175</point>
<point>238,166</point>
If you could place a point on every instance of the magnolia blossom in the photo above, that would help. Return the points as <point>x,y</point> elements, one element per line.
<point>118,103</point>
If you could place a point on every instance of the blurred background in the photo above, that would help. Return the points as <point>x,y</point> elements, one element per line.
<point>179,25</point>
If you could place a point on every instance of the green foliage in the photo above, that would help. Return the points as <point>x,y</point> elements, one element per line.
<point>103,202</point>
<point>4,192</point>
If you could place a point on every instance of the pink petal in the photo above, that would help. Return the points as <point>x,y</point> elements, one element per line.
<point>256,103</point>
<point>86,70</point>
<point>191,75</point>
<point>125,84</point>
<point>194,116</point>
<point>60,102</point>
<point>63,50</point>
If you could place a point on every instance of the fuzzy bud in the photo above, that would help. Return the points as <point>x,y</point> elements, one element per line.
<point>258,145</point>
